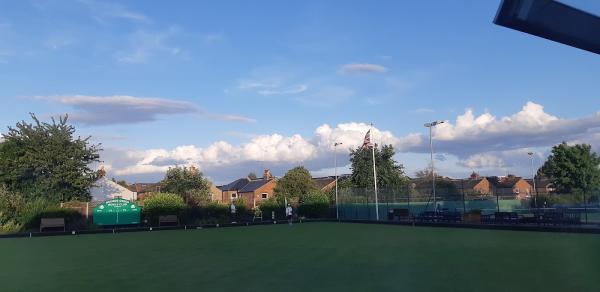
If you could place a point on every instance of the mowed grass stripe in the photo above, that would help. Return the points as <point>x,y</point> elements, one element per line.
<point>304,257</point>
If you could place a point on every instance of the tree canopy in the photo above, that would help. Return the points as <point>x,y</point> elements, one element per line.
<point>390,174</point>
<point>45,160</point>
<point>295,184</point>
<point>572,168</point>
<point>187,182</point>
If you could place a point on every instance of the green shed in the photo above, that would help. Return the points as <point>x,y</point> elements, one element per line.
<point>117,212</point>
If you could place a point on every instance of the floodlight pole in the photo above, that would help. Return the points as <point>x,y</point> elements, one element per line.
<point>533,179</point>
<point>337,209</point>
<point>430,126</point>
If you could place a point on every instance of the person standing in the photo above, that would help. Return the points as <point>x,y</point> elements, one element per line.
<point>233,212</point>
<point>289,213</point>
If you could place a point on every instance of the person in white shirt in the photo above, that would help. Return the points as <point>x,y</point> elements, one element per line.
<point>289,213</point>
<point>233,211</point>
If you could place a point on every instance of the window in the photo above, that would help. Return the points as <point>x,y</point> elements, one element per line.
<point>264,196</point>
<point>234,196</point>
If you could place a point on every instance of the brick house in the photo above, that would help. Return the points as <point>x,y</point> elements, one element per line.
<point>510,187</point>
<point>327,183</point>
<point>543,186</point>
<point>474,185</point>
<point>143,189</point>
<point>253,191</point>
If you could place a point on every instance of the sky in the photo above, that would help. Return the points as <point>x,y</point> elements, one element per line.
<point>234,87</point>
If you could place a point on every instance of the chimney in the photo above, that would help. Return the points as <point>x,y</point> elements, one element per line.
<point>267,174</point>
<point>474,175</point>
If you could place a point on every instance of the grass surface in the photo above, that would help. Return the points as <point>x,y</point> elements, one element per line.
<point>305,257</point>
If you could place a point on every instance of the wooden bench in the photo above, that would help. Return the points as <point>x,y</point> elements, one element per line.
<point>52,223</point>
<point>169,219</point>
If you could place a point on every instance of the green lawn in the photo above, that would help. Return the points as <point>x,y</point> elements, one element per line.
<point>305,257</point>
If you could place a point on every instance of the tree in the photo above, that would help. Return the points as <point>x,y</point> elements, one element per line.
<point>189,183</point>
<point>390,174</point>
<point>45,160</point>
<point>572,168</point>
<point>295,184</point>
<point>122,183</point>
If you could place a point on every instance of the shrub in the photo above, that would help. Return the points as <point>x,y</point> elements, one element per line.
<point>34,211</point>
<point>216,211</point>
<point>241,207</point>
<point>314,205</point>
<point>270,205</point>
<point>162,204</point>
<point>8,225</point>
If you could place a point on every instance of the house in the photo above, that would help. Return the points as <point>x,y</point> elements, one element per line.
<point>105,189</point>
<point>327,183</point>
<point>543,186</point>
<point>510,187</point>
<point>252,190</point>
<point>143,189</point>
<point>215,193</point>
<point>474,185</point>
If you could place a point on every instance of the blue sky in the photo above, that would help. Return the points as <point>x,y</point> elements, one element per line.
<point>237,86</point>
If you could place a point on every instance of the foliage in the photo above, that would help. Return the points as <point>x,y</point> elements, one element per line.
<point>270,205</point>
<point>44,160</point>
<point>163,204</point>
<point>296,183</point>
<point>198,197</point>
<point>11,203</point>
<point>9,225</point>
<point>72,217</point>
<point>314,205</point>
<point>122,183</point>
<point>572,168</point>
<point>216,210</point>
<point>390,174</point>
<point>189,183</point>
<point>241,207</point>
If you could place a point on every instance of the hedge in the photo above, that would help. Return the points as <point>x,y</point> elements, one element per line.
<point>314,205</point>
<point>162,204</point>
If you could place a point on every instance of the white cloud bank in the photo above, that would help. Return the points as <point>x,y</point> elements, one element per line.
<point>124,109</point>
<point>478,142</point>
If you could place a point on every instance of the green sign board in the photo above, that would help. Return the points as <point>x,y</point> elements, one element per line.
<point>117,212</point>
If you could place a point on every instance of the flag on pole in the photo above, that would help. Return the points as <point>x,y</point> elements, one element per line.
<point>367,141</point>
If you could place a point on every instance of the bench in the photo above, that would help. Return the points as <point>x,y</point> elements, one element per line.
<point>398,214</point>
<point>52,223</point>
<point>506,217</point>
<point>168,219</point>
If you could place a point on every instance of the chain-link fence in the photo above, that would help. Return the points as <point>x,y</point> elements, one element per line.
<point>407,202</point>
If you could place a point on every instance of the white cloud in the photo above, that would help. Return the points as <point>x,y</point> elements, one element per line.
<point>362,68</point>
<point>123,109</point>
<point>103,11</point>
<point>284,91</point>
<point>485,142</point>
<point>530,127</point>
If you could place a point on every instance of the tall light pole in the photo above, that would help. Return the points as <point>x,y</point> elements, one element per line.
<point>337,209</point>
<point>430,126</point>
<point>533,179</point>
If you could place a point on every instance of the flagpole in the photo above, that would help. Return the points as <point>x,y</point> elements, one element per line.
<point>374,175</point>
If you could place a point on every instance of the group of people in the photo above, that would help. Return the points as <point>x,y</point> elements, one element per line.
<point>289,213</point>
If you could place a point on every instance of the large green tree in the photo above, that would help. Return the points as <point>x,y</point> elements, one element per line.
<point>187,182</point>
<point>45,160</point>
<point>390,173</point>
<point>295,184</point>
<point>572,168</point>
